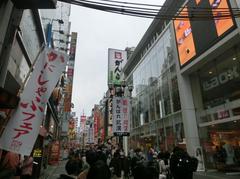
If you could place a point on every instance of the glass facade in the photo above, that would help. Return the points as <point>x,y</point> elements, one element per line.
<point>156,109</point>
<point>218,117</point>
<point>30,34</point>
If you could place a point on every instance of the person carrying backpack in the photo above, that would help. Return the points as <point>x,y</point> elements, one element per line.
<point>182,165</point>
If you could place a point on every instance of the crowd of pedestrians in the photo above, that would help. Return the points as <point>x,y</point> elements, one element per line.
<point>101,163</point>
<point>13,166</point>
<point>104,162</point>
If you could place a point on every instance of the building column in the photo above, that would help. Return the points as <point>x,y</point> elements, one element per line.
<point>9,37</point>
<point>188,114</point>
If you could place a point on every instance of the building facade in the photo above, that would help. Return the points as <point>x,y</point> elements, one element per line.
<point>185,80</point>
<point>22,38</point>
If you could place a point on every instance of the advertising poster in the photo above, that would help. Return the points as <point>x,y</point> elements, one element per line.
<point>199,155</point>
<point>222,24</point>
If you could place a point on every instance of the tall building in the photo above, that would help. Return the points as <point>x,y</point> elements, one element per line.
<point>185,75</point>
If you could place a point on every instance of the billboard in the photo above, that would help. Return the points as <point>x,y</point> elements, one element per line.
<point>121,115</point>
<point>194,36</point>
<point>116,62</point>
<point>184,37</point>
<point>222,25</point>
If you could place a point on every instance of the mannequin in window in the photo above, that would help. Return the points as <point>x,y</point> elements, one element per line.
<point>230,154</point>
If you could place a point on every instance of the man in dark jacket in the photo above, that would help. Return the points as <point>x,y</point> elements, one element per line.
<point>182,165</point>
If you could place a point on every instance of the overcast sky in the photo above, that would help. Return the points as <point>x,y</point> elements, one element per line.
<point>98,31</point>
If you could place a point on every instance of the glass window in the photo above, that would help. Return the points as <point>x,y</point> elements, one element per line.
<point>221,146</point>
<point>29,34</point>
<point>220,79</point>
<point>175,95</point>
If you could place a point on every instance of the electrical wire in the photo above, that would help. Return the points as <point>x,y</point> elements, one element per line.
<point>192,13</point>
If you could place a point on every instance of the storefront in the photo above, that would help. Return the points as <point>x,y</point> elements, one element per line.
<point>219,115</point>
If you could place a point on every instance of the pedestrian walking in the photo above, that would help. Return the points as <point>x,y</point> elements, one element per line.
<point>182,165</point>
<point>71,168</point>
<point>99,170</point>
<point>10,165</point>
<point>116,164</point>
<point>27,167</point>
<point>163,167</point>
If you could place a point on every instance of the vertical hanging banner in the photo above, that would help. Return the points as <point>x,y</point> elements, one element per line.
<point>22,129</point>
<point>121,122</point>
<point>82,123</point>
<point>116,62</point>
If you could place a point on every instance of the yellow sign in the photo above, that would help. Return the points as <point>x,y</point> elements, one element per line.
<point>37,153</point>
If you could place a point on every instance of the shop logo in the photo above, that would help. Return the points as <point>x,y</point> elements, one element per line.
<point>220,79</point>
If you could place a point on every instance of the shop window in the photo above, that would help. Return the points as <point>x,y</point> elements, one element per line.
<point>175,95</point>
<point>236,111</point>
<point>221,146</point>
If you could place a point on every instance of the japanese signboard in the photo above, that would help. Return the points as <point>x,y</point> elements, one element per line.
<point>70,73</point>
<point>37,152</point>
<point>110,111</point>
<point>121,122</point>
<point>23,128</point>
<point>116,61</point>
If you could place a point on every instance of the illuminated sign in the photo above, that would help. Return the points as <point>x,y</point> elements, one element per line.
<point>221,78</point>
<point>37,153</point>
<point>185,42</point>
<point>220,8</point>
<point>195,36</point>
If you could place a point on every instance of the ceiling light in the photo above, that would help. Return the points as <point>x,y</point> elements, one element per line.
<point>210,72</point>
<point>234,58</point>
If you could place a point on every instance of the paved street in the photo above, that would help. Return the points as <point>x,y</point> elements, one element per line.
<point>53,172</point>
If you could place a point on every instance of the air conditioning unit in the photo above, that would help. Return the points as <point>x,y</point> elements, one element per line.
<point>35,4</point>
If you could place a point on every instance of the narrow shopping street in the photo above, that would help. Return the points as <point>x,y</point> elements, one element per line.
<point>120,89</point>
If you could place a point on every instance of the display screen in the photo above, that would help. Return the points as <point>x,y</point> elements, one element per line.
<point>220,7</point>
<point>194,36</point>
<point>185,43</point>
